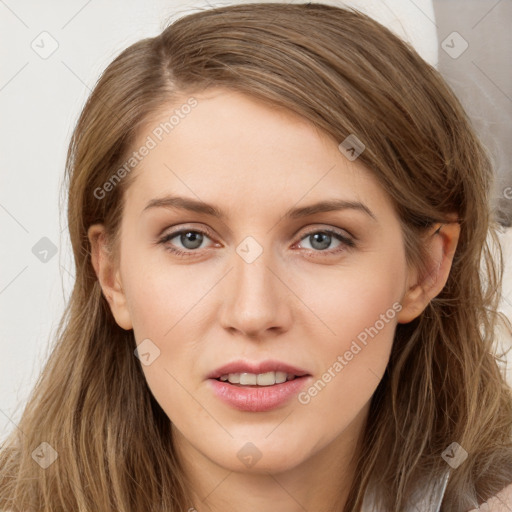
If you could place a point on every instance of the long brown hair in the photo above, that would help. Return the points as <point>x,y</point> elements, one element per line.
<point>346,74</point>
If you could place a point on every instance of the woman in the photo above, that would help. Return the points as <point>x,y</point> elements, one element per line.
<point>278,214</point>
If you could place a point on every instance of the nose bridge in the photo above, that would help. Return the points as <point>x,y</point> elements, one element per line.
<point>254,299</point>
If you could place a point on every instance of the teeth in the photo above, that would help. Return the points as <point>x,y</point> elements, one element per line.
<point>260,379</point>
<point>248,379</point>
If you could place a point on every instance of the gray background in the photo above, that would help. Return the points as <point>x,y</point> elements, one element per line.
<point>482,78</point>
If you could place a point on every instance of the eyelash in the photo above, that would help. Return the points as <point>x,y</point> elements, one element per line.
<point>347,243</point>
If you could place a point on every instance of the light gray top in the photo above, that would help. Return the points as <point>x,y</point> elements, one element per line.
<point>427,498</point>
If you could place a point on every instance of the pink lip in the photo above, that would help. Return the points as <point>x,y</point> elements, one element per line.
<point>256,367</point>
<point>258,399</point>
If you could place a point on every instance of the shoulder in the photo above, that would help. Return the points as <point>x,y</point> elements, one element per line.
<point>502,502</point>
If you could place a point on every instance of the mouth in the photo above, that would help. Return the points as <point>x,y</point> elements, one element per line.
<point>253,386</point>
<point>253,380</point>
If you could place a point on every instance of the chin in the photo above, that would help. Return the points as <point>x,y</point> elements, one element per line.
<point>260,457</point>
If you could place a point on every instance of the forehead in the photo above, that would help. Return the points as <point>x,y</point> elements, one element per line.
<point>233,148</point>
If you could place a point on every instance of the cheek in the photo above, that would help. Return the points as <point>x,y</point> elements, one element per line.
<point>350,299</point>
<point>160,294</point>
<point>164,300</point>
<point>358,307</point>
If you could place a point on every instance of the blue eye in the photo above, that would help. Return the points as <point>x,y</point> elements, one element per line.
<point>320,240</point>
<point>190,238</point>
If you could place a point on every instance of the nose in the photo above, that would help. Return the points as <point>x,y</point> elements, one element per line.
<point>257,299</point>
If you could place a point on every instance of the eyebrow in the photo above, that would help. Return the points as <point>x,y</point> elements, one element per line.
<point>193,205</point>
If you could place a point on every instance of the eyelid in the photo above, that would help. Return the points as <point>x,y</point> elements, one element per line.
<point>168,231</point>
<point>314,229</point>
<point>329,229</point>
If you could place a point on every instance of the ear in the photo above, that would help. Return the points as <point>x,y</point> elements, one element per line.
<point>108,275</point>
<point>442,241</point>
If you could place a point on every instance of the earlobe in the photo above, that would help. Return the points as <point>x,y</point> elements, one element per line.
<point>413,304</point>
<point>443,239</point>
<point>109,276</point>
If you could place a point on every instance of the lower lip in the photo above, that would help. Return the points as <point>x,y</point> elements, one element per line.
<point>260,399</point>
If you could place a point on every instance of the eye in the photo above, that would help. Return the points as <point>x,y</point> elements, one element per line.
<point>191,239</point>
<point>320,240</point>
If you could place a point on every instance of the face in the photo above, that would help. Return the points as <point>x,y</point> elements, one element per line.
<point>316,289</point>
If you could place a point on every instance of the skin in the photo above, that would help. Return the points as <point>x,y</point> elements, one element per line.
<point>502,502</point>
<point>293,303</point>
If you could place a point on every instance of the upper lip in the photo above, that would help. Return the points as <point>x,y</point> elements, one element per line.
<point>256,367</point>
